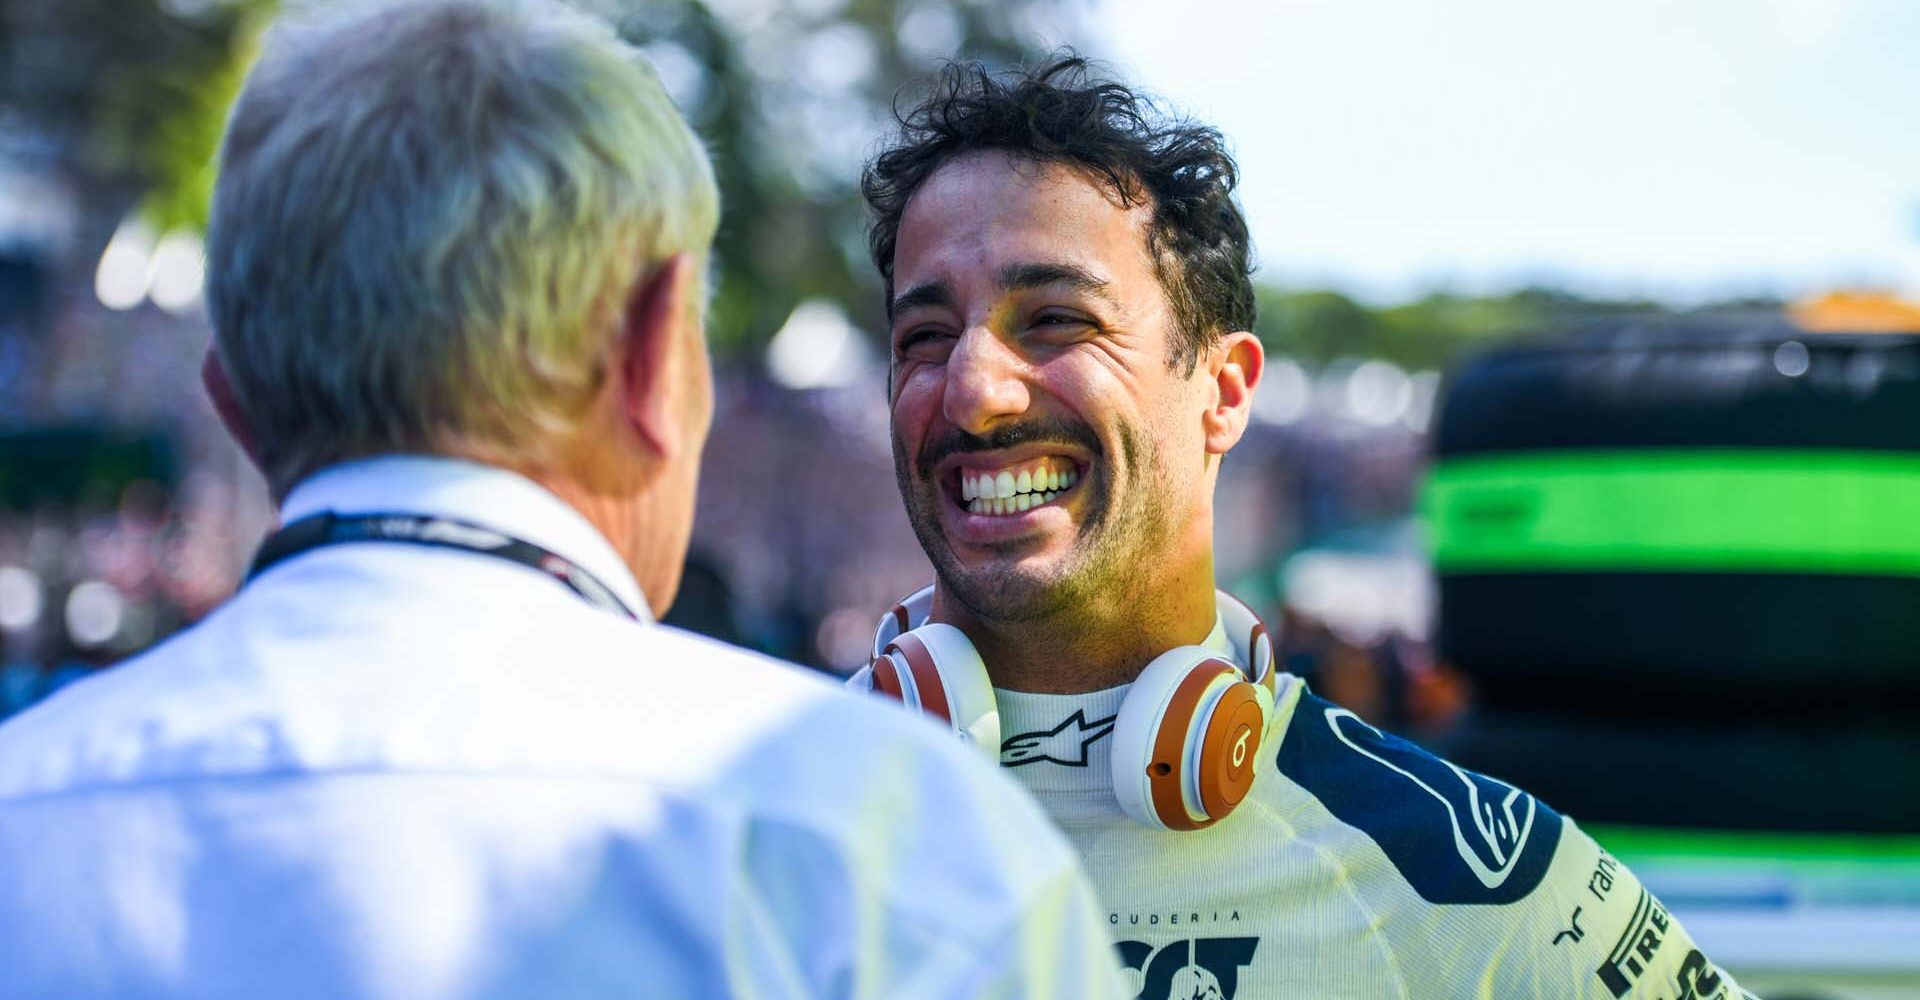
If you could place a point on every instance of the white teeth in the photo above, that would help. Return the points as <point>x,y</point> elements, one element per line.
<point>1016,504</point>
<point>1009,492</point>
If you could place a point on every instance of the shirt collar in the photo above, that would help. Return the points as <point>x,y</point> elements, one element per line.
<point>463,490</point>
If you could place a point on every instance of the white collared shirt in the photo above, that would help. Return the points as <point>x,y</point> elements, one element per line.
<point>384,770</point>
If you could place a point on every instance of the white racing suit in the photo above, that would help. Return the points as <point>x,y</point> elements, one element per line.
<point>1358,866</point>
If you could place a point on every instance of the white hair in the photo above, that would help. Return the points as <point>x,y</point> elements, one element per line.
<point>428,219</point>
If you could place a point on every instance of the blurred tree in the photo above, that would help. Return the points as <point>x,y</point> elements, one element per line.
<point>1313,325</point>
<point>128,96</point>
<point>1318,325</point>
<point>789,96</point>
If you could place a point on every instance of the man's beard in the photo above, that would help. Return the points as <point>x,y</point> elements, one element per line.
<point>1103,560</point>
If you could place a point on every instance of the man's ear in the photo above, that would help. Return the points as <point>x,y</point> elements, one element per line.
<point>213,378</point>
<point>1235,365</point>
<point>649,362</point>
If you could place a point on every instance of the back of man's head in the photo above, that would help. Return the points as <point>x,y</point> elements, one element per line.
<point>428,219</point>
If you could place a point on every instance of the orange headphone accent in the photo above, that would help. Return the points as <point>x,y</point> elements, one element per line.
<point>1188,734</point>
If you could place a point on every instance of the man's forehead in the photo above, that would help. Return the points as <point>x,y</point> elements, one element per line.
<point>986,214</point>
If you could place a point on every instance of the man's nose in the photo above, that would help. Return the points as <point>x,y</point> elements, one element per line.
<point>986,382</point>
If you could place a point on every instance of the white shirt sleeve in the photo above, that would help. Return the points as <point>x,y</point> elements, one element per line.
<point>919,870</point>
<point>1056,948</point>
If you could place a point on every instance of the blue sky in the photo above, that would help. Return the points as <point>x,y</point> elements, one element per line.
<point>1682,150</point>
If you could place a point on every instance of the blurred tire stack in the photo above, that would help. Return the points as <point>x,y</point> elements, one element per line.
<point>1681,565</point>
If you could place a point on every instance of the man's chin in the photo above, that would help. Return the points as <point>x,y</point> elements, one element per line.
<point>1007,591</point>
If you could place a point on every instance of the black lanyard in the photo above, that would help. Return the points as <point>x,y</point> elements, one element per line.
<point>321,530</point>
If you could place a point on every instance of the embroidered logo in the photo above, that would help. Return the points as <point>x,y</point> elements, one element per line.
<point>1065,744</point>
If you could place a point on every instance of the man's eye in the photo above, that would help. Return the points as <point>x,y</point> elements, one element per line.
<point>923,342</point>
<point>1056,321</point>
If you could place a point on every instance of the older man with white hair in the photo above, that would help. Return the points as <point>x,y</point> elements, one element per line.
<point>437,746</point>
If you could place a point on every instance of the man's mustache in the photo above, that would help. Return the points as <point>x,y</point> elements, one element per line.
<point>1040,430</point>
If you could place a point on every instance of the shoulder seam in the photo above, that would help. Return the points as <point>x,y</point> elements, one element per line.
<point>1346,884</point>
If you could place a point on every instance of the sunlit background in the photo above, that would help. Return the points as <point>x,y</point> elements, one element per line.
<point>1423,180</point>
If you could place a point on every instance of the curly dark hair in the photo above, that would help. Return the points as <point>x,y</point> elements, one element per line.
<point>1063,113</point>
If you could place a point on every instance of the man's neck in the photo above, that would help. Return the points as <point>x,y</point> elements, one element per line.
<point>622,517</point>
<point>1090,648</point>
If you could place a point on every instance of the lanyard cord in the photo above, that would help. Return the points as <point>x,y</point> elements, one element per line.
<point>322,530</point>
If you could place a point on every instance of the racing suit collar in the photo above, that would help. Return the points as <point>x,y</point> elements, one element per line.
<point>1064,742</point>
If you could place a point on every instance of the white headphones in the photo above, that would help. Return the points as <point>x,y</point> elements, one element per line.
<point>1188,732</point>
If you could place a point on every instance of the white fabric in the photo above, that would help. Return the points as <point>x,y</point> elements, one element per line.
<point>1284,898</point>
<point>389,771</point>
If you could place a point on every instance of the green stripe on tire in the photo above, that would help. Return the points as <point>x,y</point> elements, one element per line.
<point>1677,510</point>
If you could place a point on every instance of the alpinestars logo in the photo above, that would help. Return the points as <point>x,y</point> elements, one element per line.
<point>1195,969</point>
<point>1065,744</point>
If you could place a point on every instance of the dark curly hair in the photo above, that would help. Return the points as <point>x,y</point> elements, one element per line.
<point>1062,113</point>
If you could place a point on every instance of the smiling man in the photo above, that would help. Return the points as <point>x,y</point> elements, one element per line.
<point>1069,287</point>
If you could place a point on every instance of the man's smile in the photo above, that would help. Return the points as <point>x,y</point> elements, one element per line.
<point>993,496</point>
<point>999,489</point>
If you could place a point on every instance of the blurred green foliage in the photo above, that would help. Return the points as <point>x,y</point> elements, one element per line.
<point>789,98</point>
<point>132,94</point>
<point>1319,326</point>
<point>790,95</point>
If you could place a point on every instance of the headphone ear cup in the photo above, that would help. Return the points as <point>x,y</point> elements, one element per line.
<point>1229,748</point>
<point>934,669</point>
<point>1187,740</point>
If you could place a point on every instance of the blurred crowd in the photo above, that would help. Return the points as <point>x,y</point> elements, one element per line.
<point>800,541</point>
<point>84,586</point>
